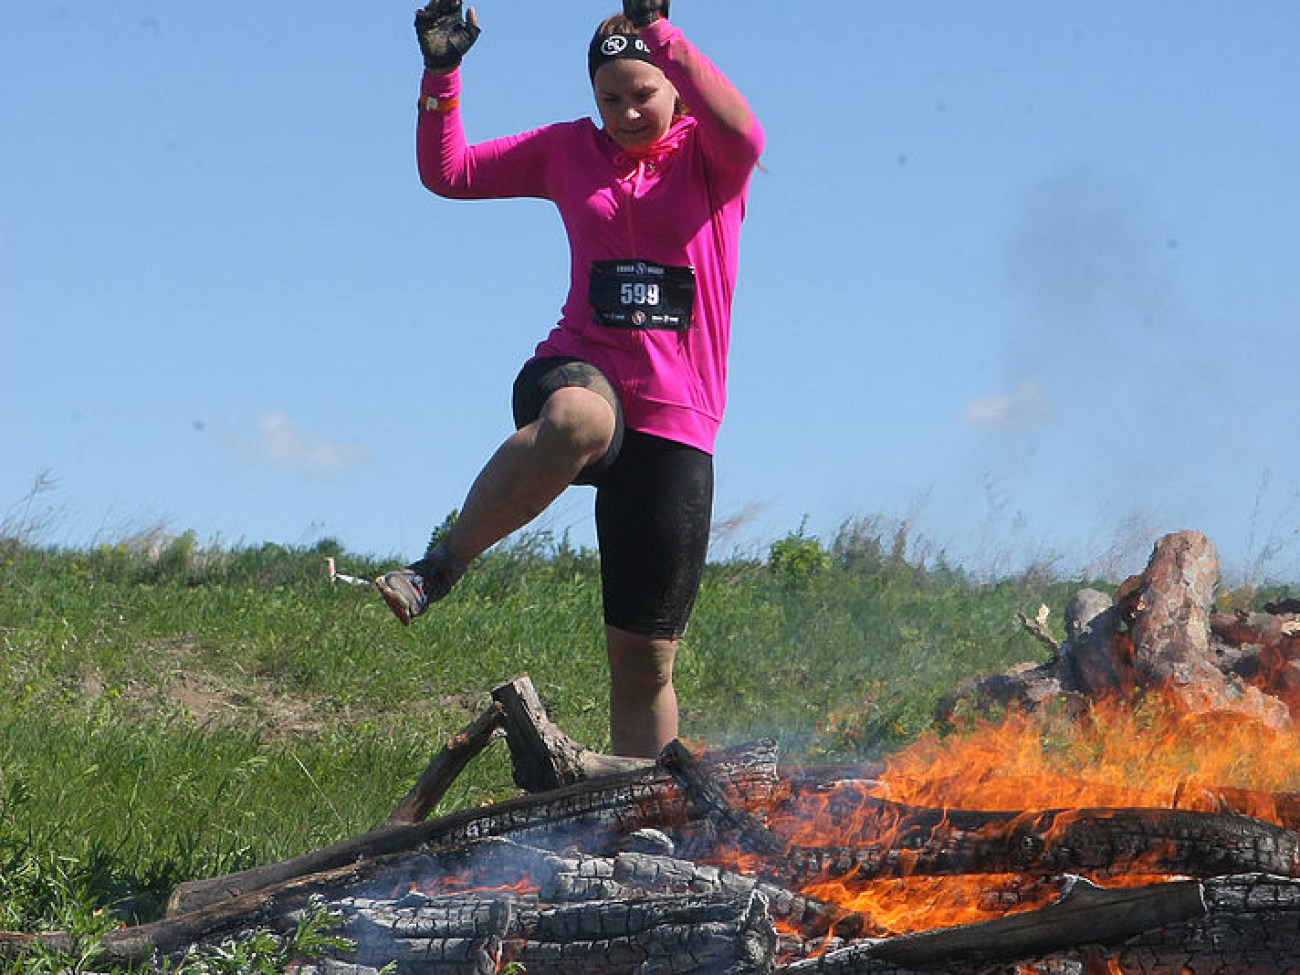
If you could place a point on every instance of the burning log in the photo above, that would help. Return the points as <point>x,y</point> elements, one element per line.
<point>1258,629</point>
<point>1085,914</point>
<point>1264,650</point>
<point>574,876</point>
<point>440,936</point>
<point>1275,807</point>
<point>904,841</point>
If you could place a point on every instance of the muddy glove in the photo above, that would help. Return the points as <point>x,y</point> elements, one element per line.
<point>444,37</point>
<point>645,12</point>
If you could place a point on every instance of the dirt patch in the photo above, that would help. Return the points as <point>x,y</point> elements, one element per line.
<point>204,699</point>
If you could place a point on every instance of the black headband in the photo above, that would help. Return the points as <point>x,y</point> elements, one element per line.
<point>612,47</point>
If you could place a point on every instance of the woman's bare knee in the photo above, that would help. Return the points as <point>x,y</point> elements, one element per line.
<point>578,422</point>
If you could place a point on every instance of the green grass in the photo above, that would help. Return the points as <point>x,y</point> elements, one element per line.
<point>172,712</point>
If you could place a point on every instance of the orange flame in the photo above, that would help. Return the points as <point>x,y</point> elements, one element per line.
<point>1160,752</point>
<point>1156,753</point>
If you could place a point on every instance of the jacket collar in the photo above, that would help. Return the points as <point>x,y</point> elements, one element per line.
<point>656,153</point>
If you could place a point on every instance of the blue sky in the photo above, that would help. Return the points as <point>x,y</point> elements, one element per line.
<point>1021,275</point>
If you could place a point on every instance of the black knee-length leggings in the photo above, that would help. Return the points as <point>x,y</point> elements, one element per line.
<point>654,508</point>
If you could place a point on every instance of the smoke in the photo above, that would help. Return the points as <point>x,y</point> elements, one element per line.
<point>1093,406</point>
<point>1086,261</point>
<point>1096,322</point>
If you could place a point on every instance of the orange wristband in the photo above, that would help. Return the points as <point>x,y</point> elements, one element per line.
<point>431,104</point>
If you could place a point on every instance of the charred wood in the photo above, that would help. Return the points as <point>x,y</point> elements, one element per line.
<point>612,805</point>
<point>575,877</point>
<point>450,761</point>
<point>1100,842</point>
<point>170,936</point>
<point>1251,927</point>
<point>650,935</point>
<point>543,756</point>
<point>1282,808</point>
<point>440,936</point>
<point>1086,914</point>
<point>912,841</point>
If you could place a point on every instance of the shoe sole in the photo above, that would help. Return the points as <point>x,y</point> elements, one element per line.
<point>395,600</point>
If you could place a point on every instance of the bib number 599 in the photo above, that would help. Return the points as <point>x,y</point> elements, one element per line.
<point>639,293</point>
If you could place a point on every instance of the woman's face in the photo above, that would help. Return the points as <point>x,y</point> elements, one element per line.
<point>636,102</point>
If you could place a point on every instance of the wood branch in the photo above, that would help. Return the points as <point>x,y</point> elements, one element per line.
<point>543,756</point>
<point>450,761</point>
<point>1038,629</point>
<point>1086,914</point>
<point>612,805</point>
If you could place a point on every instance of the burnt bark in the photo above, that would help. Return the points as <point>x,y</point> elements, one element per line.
<point>1282,808</point>
<point>663,935</point>
<point>1251,927</point>
<point>420,934</point>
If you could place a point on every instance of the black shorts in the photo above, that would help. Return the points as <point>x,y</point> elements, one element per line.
<point>654,509</point>
<point>540,377</point>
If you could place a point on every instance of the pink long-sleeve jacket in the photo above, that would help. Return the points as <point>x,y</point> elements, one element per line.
<point>680,203</point>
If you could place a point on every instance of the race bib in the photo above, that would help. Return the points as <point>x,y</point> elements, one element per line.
<point>642,294</point>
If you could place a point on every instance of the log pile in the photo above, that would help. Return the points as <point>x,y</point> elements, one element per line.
<point>1159,630</point>
<point>690,864</point>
